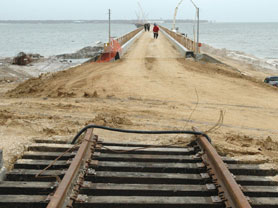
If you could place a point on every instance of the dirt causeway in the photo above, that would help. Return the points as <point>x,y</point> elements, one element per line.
<point>151,88</point>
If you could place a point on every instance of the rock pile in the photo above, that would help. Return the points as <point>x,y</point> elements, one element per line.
<point>87,52</point>
<point>23,59</point>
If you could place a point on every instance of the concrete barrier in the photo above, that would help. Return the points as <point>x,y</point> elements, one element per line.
<point>125,38</point>
<point>128,43</point>
<point>183,40</point>
<point>183,50</point>
<point>181,43</point>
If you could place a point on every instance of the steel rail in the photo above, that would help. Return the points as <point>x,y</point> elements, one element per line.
<point>61,196</point>
<point>229,190</point>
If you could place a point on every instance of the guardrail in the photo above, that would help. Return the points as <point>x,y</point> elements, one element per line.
<point>125,38</point>
<point>184,41</point>
<point>118,47</point>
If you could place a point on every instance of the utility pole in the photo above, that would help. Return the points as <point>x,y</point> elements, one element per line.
<point>109,38</point>
<point>198,26</point>
<point>109,34</point>
<point>198,31</point>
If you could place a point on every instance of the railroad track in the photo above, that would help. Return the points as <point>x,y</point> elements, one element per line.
<point>100,174</point>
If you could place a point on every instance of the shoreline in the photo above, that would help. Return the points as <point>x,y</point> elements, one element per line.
<point>267,64</point>
<point>14,73</point>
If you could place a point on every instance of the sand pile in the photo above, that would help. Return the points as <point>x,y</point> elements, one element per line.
<point>110,120</point>
<point>69,83</point>
<point>257,150</point>
<point>4,116</point>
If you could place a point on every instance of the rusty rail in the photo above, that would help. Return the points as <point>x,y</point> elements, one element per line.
<point>191,176</point>
<point>229,190</point>
<point>62,195</point>
<point>186,42</point>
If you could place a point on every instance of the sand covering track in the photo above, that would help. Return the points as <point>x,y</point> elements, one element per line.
<point>151,88</point>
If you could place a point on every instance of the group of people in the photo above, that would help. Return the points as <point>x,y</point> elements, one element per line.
<point>147,26</point>
<point>155,29</point>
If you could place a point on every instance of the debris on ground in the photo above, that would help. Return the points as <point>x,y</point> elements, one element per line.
<point>87,52</point>
<point>22,59</point>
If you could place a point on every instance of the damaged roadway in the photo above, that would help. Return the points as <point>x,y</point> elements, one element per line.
<point>151,88</point>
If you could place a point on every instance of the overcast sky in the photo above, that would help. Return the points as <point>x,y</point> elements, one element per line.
<point>215,10</point>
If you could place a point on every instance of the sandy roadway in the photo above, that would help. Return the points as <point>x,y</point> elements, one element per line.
<point>151,88</point>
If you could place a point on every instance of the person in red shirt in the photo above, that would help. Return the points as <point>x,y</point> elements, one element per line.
<point>155,31</point>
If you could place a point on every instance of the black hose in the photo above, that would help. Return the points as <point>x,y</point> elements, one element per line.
<point>138,132</point>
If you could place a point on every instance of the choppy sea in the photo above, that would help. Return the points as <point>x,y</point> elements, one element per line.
<point>253,42</point>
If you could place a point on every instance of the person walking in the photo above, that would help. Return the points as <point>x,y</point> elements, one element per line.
<point>149,26</point>
<point>145,27</point>
<point>155,31</point>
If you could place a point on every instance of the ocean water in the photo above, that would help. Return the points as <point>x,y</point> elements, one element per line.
<point>54,38</point>
<point>258,39</point>
<point>255,43</point>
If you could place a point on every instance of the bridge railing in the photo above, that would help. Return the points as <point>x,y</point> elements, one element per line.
<point>122,40</point>
<point>186,42</point>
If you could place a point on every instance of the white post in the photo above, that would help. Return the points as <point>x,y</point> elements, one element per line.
<point>109,38</point>
<point>198,26</point>
<point>109,33</point>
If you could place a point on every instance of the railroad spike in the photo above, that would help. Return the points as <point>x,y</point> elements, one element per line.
<point>248,199</point>
<point>210,186</point>
<point>205,175</point>
<point>69,161</point>
<point>73,153</point>
<point>92,171</point>
<point>49,197</point>
<point>216,199</point>
<point>87,184</point>
<point>82,198</point>
<point>200,165</point>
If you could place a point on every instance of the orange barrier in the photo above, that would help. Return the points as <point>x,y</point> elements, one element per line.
<point>111,52</point>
